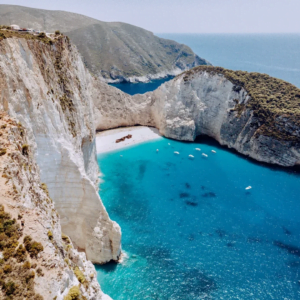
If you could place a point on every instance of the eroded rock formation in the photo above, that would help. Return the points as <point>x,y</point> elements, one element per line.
<point>253,118</point>
<point>46,87</point>
<point>52,269</point>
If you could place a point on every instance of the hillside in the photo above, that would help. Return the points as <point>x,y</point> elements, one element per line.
<point>112,51</point>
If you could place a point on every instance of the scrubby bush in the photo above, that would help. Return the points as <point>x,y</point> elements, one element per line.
<point>27,265</point>
<point>45,188</point>
<point>20,254</point>
<point>57,32</point>
<point>32,247</point>
<point>42,35</point>
<point>65,238</point>
<point>50,235</point>
<point>39,271</point>
<point>9,288</point>
<point>79,275</point>
<point>2,151</point>
<point>7,269</point>
<point>25,149</point>
<point>74,294</point>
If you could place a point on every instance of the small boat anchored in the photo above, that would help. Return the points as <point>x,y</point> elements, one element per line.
<point>176,152</point>
<point>205,155</point>
<point>213,151</point>
<point>248,188</point>
<point>197,149</point>
<point>191,156</point>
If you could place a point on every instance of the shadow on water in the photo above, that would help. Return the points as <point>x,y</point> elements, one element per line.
<point>212,142</point>
<point>133,199</point>
<point>108,267</point>
<point>289,248</point>
<point>142,168</point>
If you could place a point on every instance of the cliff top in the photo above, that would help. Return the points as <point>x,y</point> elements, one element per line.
<point>7,33</point>
<point>111,50</point>
<point>272,100</point>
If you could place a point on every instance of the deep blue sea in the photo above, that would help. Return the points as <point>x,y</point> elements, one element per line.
<point>190,229</point>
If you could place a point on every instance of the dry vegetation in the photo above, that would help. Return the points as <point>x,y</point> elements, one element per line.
<point>5,34</point>
<point>16,273</point>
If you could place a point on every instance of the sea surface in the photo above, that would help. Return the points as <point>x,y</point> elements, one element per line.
<point>190,228</point>
<point>192,231</point>
<point>275,54</point>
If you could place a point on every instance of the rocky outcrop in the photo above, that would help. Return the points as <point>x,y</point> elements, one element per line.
<point>46,88</point>
<point>228,106</point>
<point>58,267</point>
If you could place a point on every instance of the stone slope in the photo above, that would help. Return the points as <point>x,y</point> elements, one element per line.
<point>111,50</point>
<point>252,117</point>
<point>56,269</point>
<point>48,89</point>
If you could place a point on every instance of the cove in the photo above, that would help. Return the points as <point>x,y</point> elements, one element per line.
<point>192,231</point>
<point>141,87</point>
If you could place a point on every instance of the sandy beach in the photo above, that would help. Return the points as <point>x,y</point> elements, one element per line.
<point>106,140</point>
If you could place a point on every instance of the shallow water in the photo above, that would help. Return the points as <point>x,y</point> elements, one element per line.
<point>192,231</point>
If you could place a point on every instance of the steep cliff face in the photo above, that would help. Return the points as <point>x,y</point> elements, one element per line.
<point>47,88</point>
<point>253,113</point>
<point>37,261</point>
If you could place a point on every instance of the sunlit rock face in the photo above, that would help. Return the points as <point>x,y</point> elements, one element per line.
<point>202,104</point>
<point>48,90</point>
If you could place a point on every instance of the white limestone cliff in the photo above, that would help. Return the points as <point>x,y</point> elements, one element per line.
<point>49,91</point>
<point>27,200</point>
<point>201,104</point>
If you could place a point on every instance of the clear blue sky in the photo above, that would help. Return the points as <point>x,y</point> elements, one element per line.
<point>187,16</point>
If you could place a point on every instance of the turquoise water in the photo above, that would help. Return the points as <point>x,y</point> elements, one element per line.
<point>192,231</point>
<point>141,88</point>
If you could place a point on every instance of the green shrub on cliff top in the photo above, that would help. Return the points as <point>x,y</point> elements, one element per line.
<point>271,98</point>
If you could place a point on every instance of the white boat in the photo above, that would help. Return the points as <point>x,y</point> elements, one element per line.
<point>191,156</point>
<point>198,149</point>
<point>205,155</point>
<point>176,152</point>
<point>213,151</point>
<point>157,150</point>
<point>248,188</point>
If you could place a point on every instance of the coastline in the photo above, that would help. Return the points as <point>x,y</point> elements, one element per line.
<point>106,140</point>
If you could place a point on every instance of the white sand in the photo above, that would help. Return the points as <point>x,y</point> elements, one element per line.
<point>106,140</point>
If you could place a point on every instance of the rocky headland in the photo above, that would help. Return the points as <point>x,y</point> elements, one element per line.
<point>51,107</point>
<point>254,113</point>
